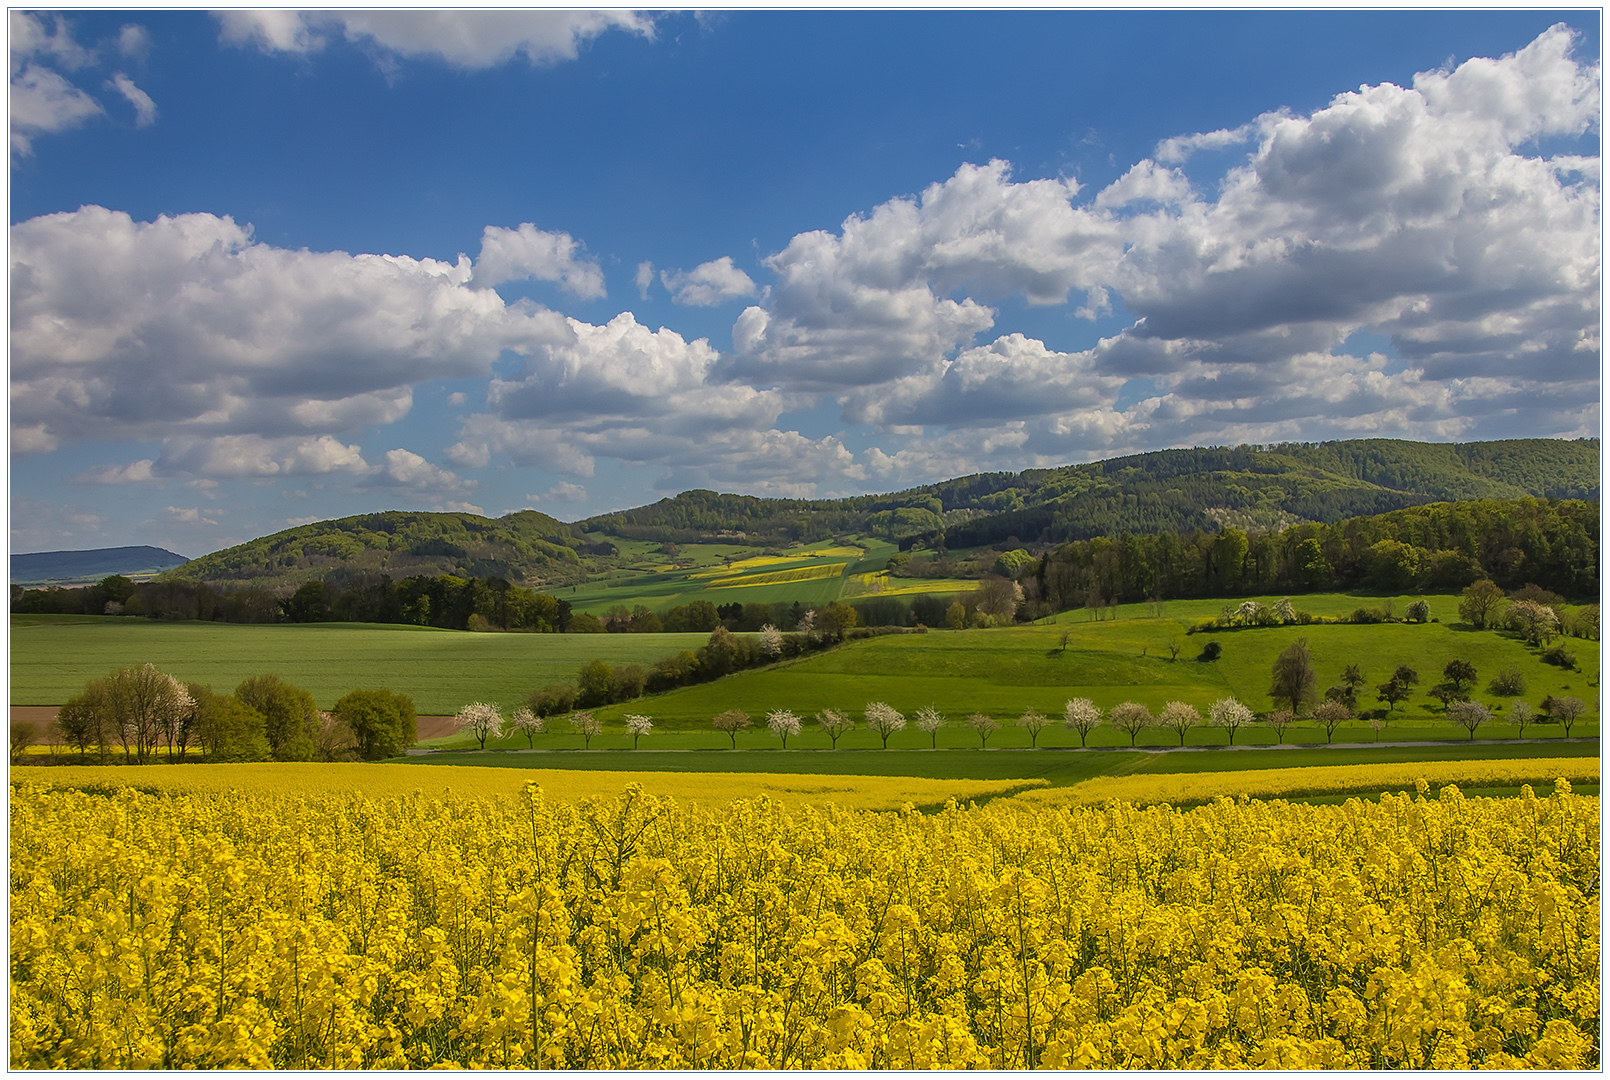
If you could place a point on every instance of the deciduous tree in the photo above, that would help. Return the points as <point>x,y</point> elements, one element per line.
<point>1279,721</point>
<point>481,719</point>
<point>528,723</point>
<point>1082,715</point>
<point>1033,722</point>
<point>929,720</point>
<point>1229,714</point>
<point>1330,715</point>
<point>884,720</point>
<point>984,725</point>
<point>586,725</point>
<point>1131,718</point>
<point>782,724</point>
<point>290,715</point>
<point>833,724</point>
<point>1293,680</point>
<point>1469,715</point>
<point>637,726</point>
<point>730,723</point>
<point>1481,604</point>
<point>383,723</point>
<point>1179,717</point>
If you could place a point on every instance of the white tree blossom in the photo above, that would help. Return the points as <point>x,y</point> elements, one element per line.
<point>833,724</point>
<point>783,724</point>
<point>1469,715</point>
<point>1180,717</point>
<point>481,719</point>
<point>587,725</point>
<point>1082,715</point>
<point>1284,611</point>
<point>527,723</point>
<point>637,726</point>
<point>807,624</point>
<point>1229,714</point>
<point>884,720</point>
<point>771,641</point>
<point>1034,723</point>
<point>1520,714</point>
<point>929,720</point>
<point>1131,718</point>
<point>984,725</point>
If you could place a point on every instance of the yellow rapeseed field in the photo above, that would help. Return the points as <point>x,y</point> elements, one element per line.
<point>567,785</point>
<point>1318,780</point>
<point>780,577</point>
<point>739,566</point>
<point>219,929</point>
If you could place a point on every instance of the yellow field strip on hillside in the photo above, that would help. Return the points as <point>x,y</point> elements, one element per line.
<point>741,565</point>
<point>880,583</point>
<point>1319,780</point>
<point>562,785</point>
<point>780,577</point>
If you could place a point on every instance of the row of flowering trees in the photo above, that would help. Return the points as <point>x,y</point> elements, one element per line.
<point>1082,715</point>
<point>485,722</point>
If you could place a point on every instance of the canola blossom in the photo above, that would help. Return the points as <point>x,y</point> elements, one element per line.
<point>478,781</point>
<point>1315,781</point>
<point>201,930</point>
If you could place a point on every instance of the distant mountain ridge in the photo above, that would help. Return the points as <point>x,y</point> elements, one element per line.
<point>1257,487</point>
<point>72,567</point>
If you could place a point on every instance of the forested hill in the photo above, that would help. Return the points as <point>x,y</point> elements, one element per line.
<point>519,547</point>
<point>1176,491</point>
<point>1169,490</point>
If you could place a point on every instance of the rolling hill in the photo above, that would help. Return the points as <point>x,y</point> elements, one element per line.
<point>83,567</point>
<point>1258,487</point>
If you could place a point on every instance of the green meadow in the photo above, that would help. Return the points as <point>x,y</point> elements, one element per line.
<point>52,656</point>
<point>998,672</point>
<point>1058,768</point>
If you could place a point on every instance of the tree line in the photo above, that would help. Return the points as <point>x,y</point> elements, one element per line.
<point>1553,544</point>
<point>445,601</point>
<point>153,716</point>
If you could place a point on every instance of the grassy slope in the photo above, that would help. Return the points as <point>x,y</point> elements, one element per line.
<point>1000,672</point>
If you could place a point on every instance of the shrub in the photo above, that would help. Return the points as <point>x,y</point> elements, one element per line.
<point>1509,683</point>
<point>1559,656</point>
<point>1210,652</point>
<point>1419,612</point>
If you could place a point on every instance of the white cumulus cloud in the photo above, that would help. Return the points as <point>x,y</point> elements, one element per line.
<point>1427,214</point>
<point>529,252</point>
<point>707,284</point>
<point>187,327</point>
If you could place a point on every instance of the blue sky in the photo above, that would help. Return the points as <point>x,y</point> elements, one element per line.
<point>275,268</point>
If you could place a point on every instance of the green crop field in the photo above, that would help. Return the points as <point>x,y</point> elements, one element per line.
<point>52,656</point>
<point>1000,672</point>
<point>1058,767</point>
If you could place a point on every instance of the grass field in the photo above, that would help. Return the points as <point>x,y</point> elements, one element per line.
<point>52,656</point>
<point>1058,768</point>
<point>1000,672</point>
